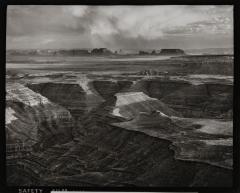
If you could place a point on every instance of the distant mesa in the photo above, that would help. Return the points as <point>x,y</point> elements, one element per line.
<point>61,52</point>
<point>143,52</point>
<point>172,52</point>
<point>154,52</point>
<point>163,52</point>
<point>101,51</point>
<point>73,52</point>
<point>95,51</point>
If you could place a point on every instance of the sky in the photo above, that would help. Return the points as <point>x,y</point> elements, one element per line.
<point>119,27</point>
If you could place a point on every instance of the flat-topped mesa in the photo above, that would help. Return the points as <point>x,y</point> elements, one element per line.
<point>25,95</point>
<point>101,51</point>
<point>72,52</point>
<point>131,97</point>
<point>172,52</point>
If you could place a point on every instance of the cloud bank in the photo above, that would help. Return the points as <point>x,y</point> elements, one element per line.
<point>119,27</point>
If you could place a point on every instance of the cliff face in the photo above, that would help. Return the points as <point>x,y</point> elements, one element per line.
<point>192,100</point>
<point>205,100</point>
<point>20,93</point>
<point>108,89</point>
<point>78,98</point>
<point>192,139</point>
<point>32,118</point>
<point>84,98</point>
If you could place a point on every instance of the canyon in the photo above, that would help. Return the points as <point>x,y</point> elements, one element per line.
<point>68,127</point>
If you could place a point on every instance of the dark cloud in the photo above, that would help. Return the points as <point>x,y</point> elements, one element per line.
<point>119,26</point>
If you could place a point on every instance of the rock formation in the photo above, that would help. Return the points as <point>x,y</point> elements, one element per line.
<point>172,52</point>
<point>31,118</point>
<point>101,51</point>
<point>143,52</point>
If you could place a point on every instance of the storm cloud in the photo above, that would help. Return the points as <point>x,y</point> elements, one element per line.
<point>119,27</point>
